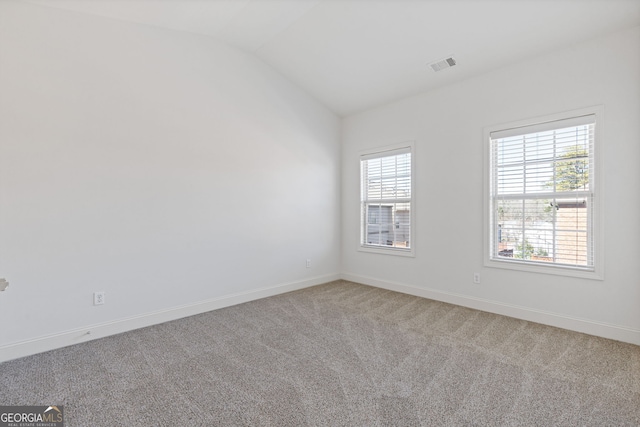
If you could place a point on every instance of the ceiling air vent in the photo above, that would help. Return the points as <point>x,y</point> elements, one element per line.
<point>443,63</point>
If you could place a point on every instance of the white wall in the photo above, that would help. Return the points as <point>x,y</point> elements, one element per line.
<point>447,126</point>
<point>168,170</point>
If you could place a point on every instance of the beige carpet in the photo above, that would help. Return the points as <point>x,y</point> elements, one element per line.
<point>339,354</point>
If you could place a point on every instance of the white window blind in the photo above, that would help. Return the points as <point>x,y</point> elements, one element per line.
<point>386,199</point>
<point>542,193</point>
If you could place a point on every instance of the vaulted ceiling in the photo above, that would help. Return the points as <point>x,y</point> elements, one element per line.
<point>355,54</point>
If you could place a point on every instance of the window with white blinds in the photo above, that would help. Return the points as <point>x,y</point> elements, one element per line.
<point>386,201</point>
<point>542,194</point>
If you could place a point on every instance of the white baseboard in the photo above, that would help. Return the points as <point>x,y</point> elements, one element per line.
<point>605,330</point>
<point>91,332</point>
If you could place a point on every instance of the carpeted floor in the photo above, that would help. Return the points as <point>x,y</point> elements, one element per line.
<point>339,354</point>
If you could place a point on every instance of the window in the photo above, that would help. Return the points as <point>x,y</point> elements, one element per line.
<point>386,189</point>
<point>542,195</point>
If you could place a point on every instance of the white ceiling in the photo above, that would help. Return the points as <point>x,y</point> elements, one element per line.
<point>355,54</point>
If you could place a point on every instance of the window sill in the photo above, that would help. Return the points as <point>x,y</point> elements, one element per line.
<point>582,273</point>
<point>387,251</point>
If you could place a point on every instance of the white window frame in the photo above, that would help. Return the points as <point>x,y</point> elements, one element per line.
<point>380,152</point>
<point>596,271</point>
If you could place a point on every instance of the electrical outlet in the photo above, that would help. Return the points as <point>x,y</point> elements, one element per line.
<point>308,263</point>
<point>476,278</point>
<point>98,298</point>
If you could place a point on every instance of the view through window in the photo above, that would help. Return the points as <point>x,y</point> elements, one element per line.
<point>542,193</point>
<point>386,199</point>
